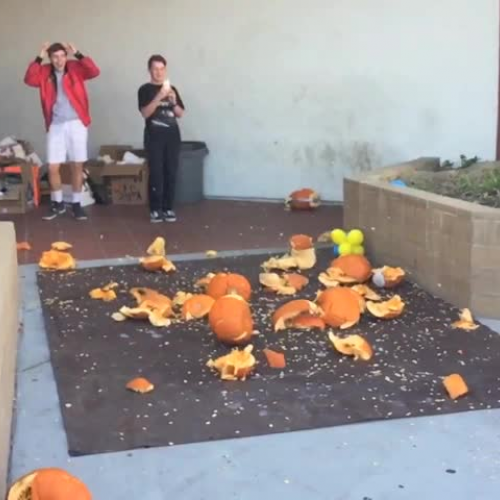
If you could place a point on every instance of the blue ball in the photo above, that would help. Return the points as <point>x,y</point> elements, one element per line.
<point>398,183</point>
<point>336,251</point>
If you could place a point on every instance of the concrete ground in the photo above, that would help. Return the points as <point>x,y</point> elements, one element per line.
<point>445,457</point>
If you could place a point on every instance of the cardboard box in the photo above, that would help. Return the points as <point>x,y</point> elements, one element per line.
<point>126,183</point>
<point>15,200</point>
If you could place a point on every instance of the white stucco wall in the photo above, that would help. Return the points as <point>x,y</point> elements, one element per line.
<point>285,93</point>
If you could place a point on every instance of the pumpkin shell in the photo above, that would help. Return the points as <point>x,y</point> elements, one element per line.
<point>341,306</point>
<point>231,320</point>
<point>303,199</point>
<point>229,283</point>
<point>354,266</point>
<point>50,484</point>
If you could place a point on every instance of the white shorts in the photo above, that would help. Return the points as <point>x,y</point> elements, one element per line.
<point>67,142</point>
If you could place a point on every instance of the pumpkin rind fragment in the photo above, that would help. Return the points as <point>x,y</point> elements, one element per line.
<point>455,386</point>
<point>352,345</point>
<point>50,484</point>
<point>388,309</point>
<point>237,365</point>
<point>57,260</point>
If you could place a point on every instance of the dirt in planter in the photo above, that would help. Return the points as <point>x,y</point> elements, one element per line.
<point>477,182</point>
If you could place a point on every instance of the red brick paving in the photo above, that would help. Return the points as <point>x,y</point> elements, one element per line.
<point>118,231</point>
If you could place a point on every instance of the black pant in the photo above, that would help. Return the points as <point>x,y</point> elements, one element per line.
<point>162,145</point>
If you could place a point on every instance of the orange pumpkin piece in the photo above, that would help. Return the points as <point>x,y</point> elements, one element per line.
<point>152,299</point>
<point>229,283</point>
<point>391,276</point>
<point>106,293</point>
<point>150,305</point>
<point>140,384</point>
<point>57,260</point>
<point>303,199</point>
<point>296,280</point>
<point>388,309</point>
<point>354,266</point>
<point>341,307</point>
<point>157,247</point>
<point>61,246</point>
<point>352,345</point>
<point>48,484</point>
<point>231,320</point>
<point>197,307</point>
<point>334,277</point>
<point>466,321</point>
<point>455,385</point>
<point>155,263</point>
<point>299,257</point>
<point>301,242</point>
<point>237,365</point>
<point>288,284</point>
<point>366,292</point>
<point>308,322</point>
<point>285,315</point>
<point>275,359</point>
<point>23,245</point>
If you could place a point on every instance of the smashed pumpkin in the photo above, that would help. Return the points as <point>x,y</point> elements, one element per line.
<point>151,305</point>
<point>157,247</point>
<point>237,365</point>
<point>465,321</point>
<point>275,359</point>
<point>302,255</point>
<point>352,345</point>
<point>140,384</point>
<point>156,263</point>
<point>61,246</point>
<point>455,386</point>
<point>286,315</point>
<point>354,266</point>
<point>229,283</point>
<point>106,293</point>
<point>366,292</point>
<point>231,320</point>
<point>302,199</point>
<point>48,484</point>
<point>23,245</point>
<point>388,277</point>
<point>288,284</point>
<point>341,306</point>
<point>57,260</point>
<point>197,307</point>
<point>387,309</point>
<point>334,277</point>
<point>307,322</point>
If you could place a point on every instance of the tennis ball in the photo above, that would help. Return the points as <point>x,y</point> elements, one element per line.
<point>355,237</point>
<point>358,250</point>
<point>345,248</point>
<point>338,236</point>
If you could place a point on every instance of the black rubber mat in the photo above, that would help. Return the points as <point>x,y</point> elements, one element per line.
<point>94,357</point>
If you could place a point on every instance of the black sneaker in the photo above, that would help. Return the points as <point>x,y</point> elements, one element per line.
<point>79,212</point>
<point>170,216</point>
<point>155,217</point>
<point>56,208</point>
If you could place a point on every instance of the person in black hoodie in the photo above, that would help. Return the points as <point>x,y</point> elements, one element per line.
<point>161,105</point>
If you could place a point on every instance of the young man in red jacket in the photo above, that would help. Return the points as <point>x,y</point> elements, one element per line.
<point>66,112</point>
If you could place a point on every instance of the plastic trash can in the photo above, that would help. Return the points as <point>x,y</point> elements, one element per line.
<point>190,187</point>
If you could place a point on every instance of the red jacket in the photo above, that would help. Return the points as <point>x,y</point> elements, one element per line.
<point>42,76</point>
